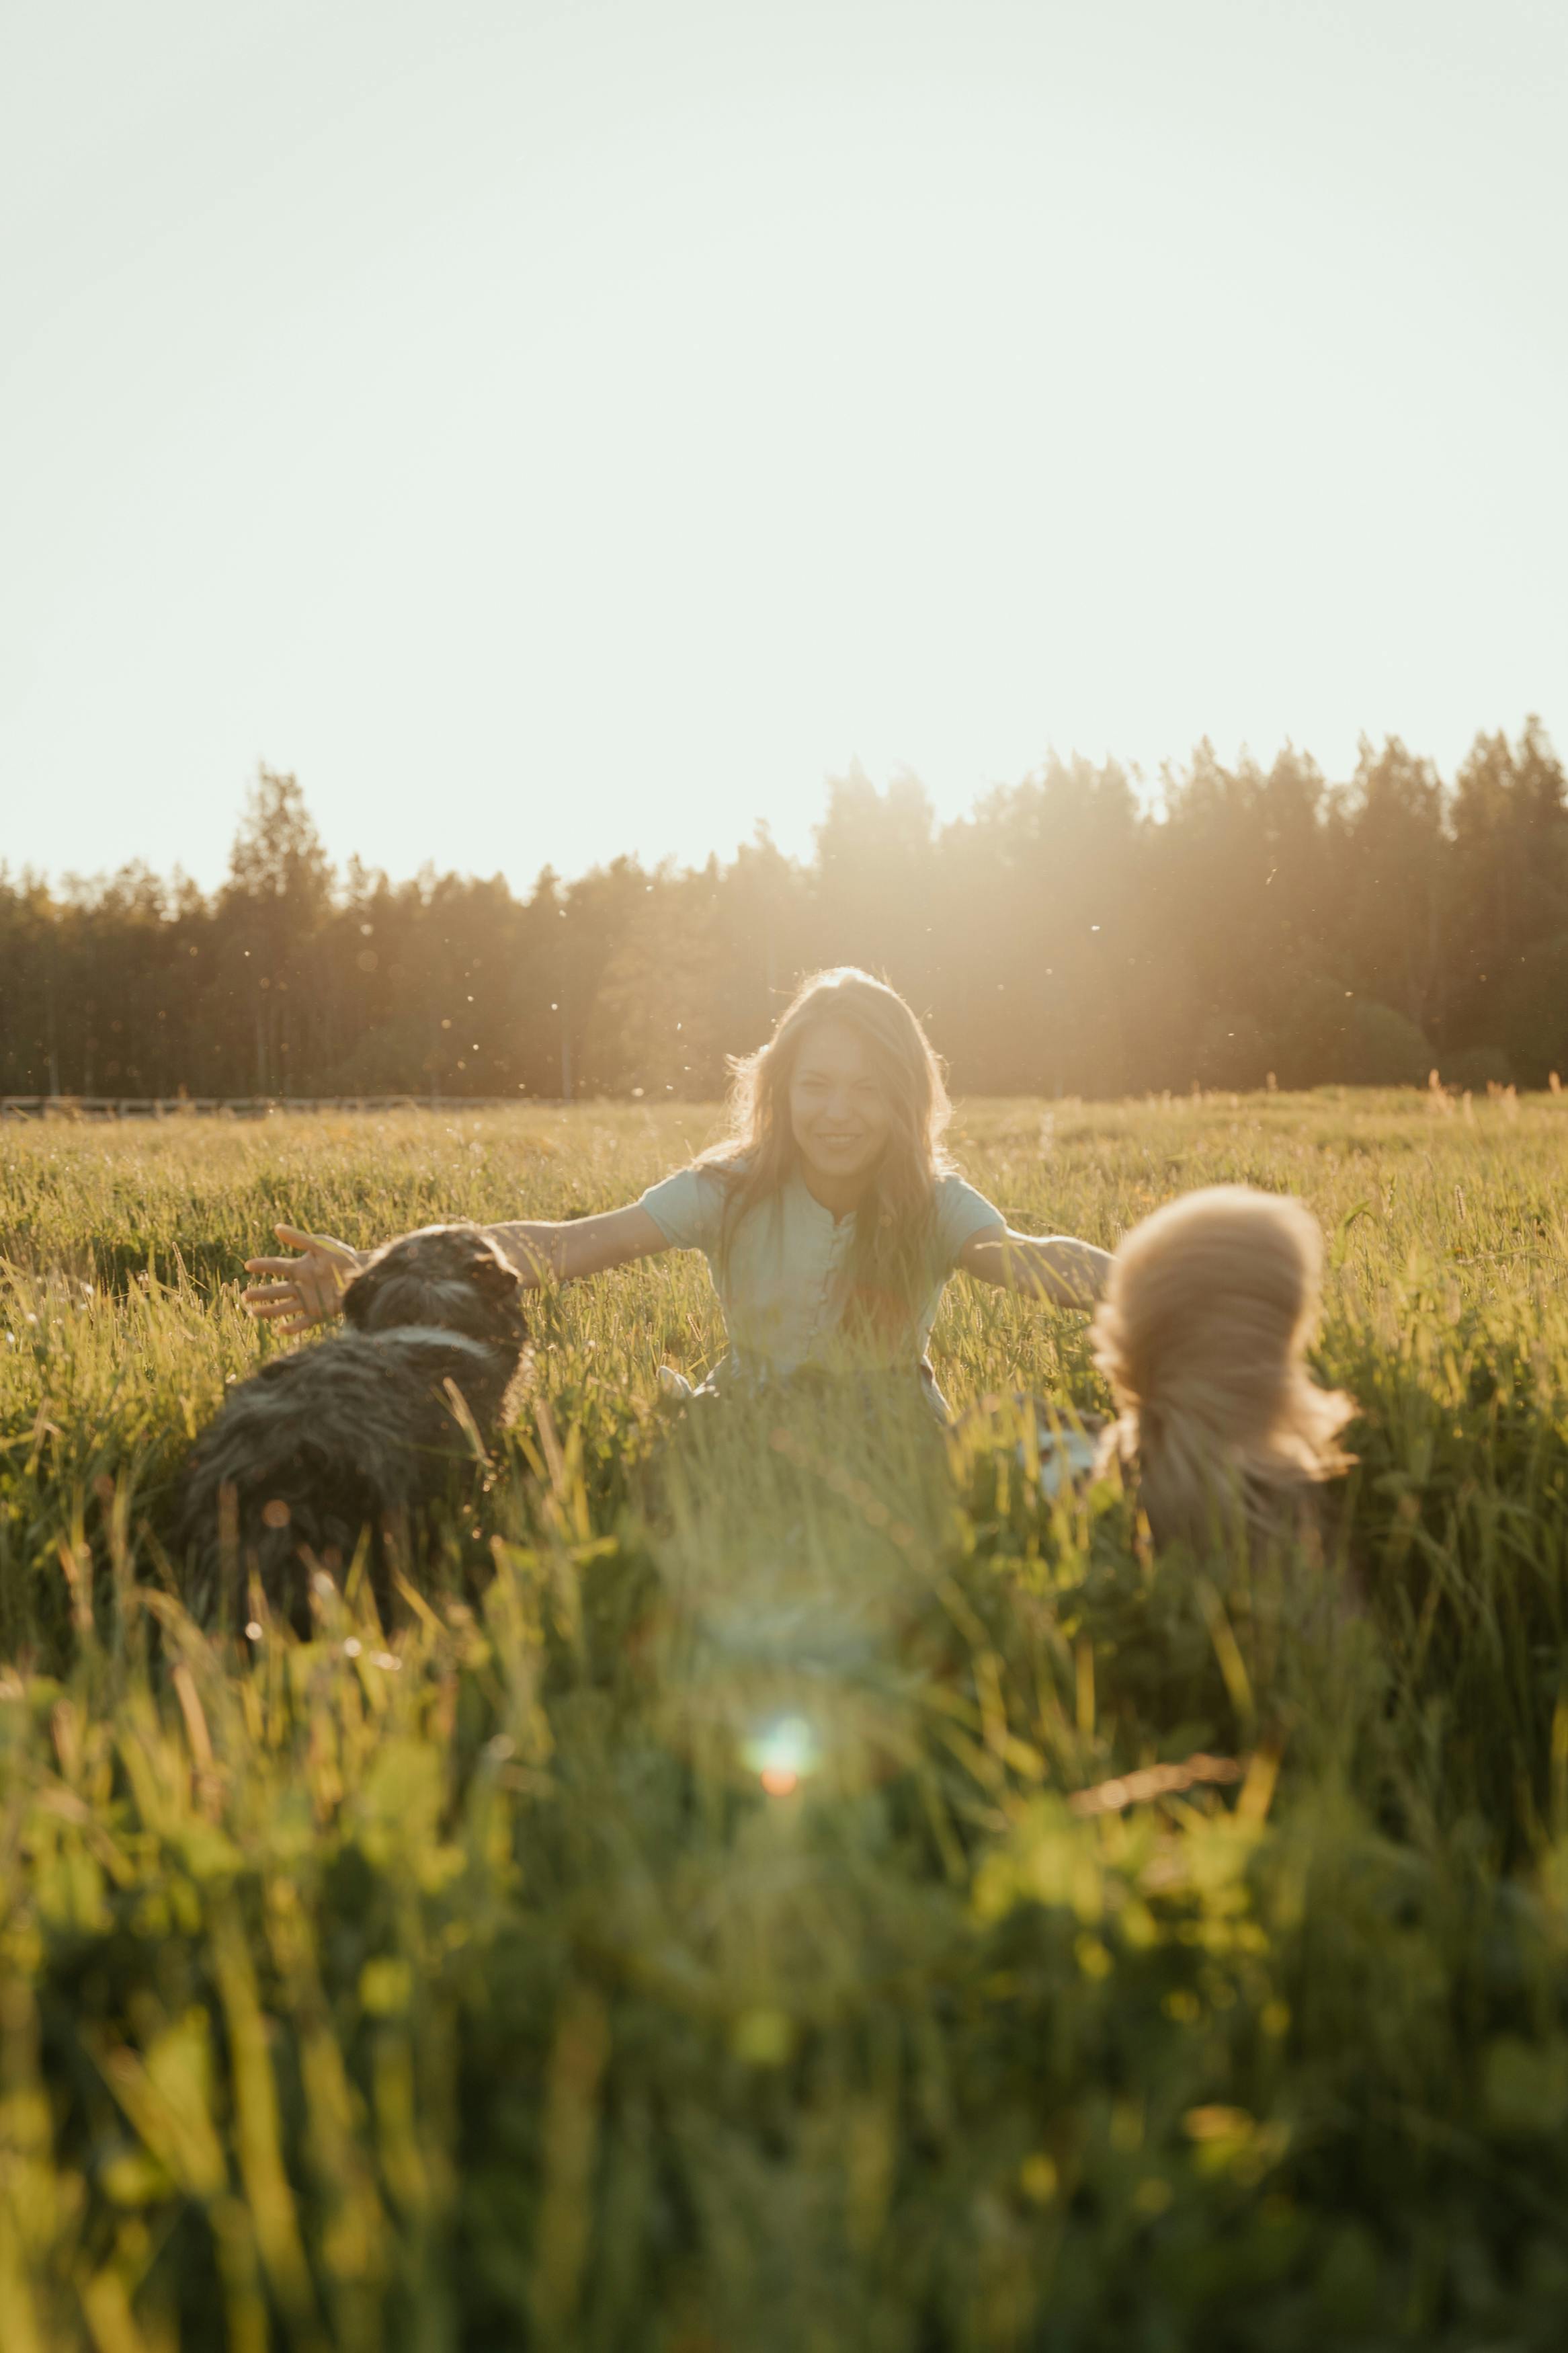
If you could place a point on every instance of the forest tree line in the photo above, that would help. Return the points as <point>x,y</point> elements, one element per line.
<point>1062,936</point>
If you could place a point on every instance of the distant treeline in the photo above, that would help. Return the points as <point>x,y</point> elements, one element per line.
<point>1059,938</point>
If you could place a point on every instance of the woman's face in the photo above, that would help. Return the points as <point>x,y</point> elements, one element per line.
<point>838,1111</point>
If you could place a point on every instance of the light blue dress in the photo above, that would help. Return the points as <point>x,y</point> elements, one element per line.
<point>786,1282</point>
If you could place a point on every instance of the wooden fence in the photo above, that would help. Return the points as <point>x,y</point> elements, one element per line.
<point>236,1106</point>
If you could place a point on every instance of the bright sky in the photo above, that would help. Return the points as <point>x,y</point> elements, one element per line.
<point>573,426</point>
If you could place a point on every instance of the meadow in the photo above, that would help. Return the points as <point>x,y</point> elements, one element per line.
<point>783,1880</point>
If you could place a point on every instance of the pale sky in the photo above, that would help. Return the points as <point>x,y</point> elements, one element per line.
<point>556,430</point>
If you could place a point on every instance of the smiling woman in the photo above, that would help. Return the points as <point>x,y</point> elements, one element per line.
<point>830,1216</point>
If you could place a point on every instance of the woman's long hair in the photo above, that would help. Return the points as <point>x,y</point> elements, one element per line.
<point>1202,1333</point>
<point>892,1263</point>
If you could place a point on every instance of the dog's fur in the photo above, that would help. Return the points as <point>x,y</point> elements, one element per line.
<point>1203,1333</point>
<point>357,1431</point>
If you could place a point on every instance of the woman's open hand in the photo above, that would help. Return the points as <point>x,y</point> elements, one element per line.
<point>308,1289</point>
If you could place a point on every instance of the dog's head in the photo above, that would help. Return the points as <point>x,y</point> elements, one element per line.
<point>1204,1331</point>
<point>451,1278</point>
<point>1217,1290</point>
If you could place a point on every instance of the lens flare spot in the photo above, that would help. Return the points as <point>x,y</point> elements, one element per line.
<point>781,1753</point>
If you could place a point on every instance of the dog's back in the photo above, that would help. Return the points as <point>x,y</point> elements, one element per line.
<point>359,1430</point>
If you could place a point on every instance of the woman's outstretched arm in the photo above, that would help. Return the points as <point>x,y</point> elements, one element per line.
<point>564,1253</point>
<point>308,1289</point>
<point>1057,1268</point>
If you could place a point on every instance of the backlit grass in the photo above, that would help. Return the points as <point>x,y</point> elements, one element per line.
<point>780,1881</point>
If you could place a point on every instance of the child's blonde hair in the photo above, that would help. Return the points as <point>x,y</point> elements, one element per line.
<point>893,1223</point>
<point>1203,1333</point>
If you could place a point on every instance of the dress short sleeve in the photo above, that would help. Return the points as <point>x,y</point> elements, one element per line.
<point>960,1213</point>
<point>688,1208</point>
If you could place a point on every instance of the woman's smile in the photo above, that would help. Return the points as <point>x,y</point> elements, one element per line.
<point>839,1114</point>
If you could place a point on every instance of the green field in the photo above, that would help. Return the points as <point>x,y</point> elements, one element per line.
<point>462,1984</point>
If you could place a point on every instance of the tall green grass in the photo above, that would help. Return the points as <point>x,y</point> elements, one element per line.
<point>782,1880</point>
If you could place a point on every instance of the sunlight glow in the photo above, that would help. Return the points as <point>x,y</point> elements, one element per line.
<point>549,446</point>
<point>782,1753</point>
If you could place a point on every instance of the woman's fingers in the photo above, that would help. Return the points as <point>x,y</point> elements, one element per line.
<point>307,1295</point>
<point>308,1289</point>
<point>322,1245</point>
<point>286,1315</point>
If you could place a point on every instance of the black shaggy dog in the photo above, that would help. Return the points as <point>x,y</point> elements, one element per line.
<point>357,1431</point>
